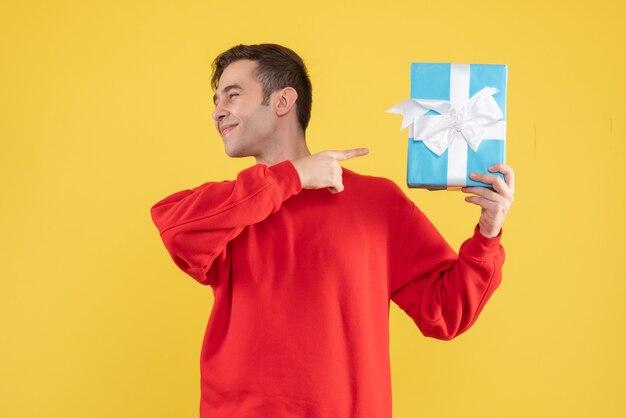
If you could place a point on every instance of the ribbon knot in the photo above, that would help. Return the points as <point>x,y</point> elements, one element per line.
<point>471,121</point>
<point>457,123</point>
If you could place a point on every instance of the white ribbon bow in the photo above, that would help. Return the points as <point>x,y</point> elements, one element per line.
<point>471,121</point>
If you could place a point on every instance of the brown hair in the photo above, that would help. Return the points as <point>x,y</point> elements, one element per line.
<point>278,67</point>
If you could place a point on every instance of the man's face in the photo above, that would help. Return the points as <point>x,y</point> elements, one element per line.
<point>245,125</point>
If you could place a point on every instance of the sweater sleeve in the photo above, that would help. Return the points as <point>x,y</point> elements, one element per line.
<point>441,291</point>
<point>197,225</point>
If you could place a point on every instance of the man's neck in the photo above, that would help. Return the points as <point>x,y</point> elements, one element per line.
<point>289,148</point>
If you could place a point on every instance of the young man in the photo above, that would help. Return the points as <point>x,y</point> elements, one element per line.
<point>303,278</point>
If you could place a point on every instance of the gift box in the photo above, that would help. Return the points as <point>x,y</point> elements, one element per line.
<point>456,116</point>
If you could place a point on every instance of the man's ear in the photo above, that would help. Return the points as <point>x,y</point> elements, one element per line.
<point>286,100</point>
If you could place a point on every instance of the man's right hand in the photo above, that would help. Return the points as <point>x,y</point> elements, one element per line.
<point>323,170</point>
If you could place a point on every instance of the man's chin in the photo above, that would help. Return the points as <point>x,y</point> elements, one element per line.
<point>236,153</point>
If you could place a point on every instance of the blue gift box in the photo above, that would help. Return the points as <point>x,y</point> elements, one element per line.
<point>457,118</point>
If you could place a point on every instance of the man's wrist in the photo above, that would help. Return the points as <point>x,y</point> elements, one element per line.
<point>489,233</point>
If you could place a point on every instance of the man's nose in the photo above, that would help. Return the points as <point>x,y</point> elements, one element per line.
<point>219,112</point>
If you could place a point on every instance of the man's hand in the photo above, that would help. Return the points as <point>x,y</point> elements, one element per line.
<point>323,170</point>
<point>494,203</point>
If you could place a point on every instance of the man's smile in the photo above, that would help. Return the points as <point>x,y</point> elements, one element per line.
<point>224,129</point>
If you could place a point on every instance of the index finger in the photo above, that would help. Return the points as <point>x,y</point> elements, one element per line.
<point>351,153</point>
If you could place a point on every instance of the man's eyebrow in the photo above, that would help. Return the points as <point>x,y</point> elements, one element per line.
<point>226,90</point>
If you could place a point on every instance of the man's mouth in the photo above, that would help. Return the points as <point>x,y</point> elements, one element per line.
<point>227,128</point>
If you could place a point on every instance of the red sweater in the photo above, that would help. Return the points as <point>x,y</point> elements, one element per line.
<point>302,281</point>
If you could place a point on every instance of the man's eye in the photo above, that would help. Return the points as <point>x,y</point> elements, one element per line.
<point>230,96</point>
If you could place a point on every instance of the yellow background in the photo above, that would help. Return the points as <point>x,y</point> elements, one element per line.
<point>105,109</point>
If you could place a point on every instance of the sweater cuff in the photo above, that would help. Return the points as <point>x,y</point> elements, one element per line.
<point>286,177</point>
<point>480,245</point>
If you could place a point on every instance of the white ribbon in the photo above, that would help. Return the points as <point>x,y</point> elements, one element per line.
<point>461,122</point>
<point>469,122</point>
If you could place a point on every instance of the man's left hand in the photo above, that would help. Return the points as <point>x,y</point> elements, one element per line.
<point>494,203</point>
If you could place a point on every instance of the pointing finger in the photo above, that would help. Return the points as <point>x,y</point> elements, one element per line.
<point>347,154</point>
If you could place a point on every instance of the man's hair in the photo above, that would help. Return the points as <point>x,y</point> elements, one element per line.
<point>278,67</point>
